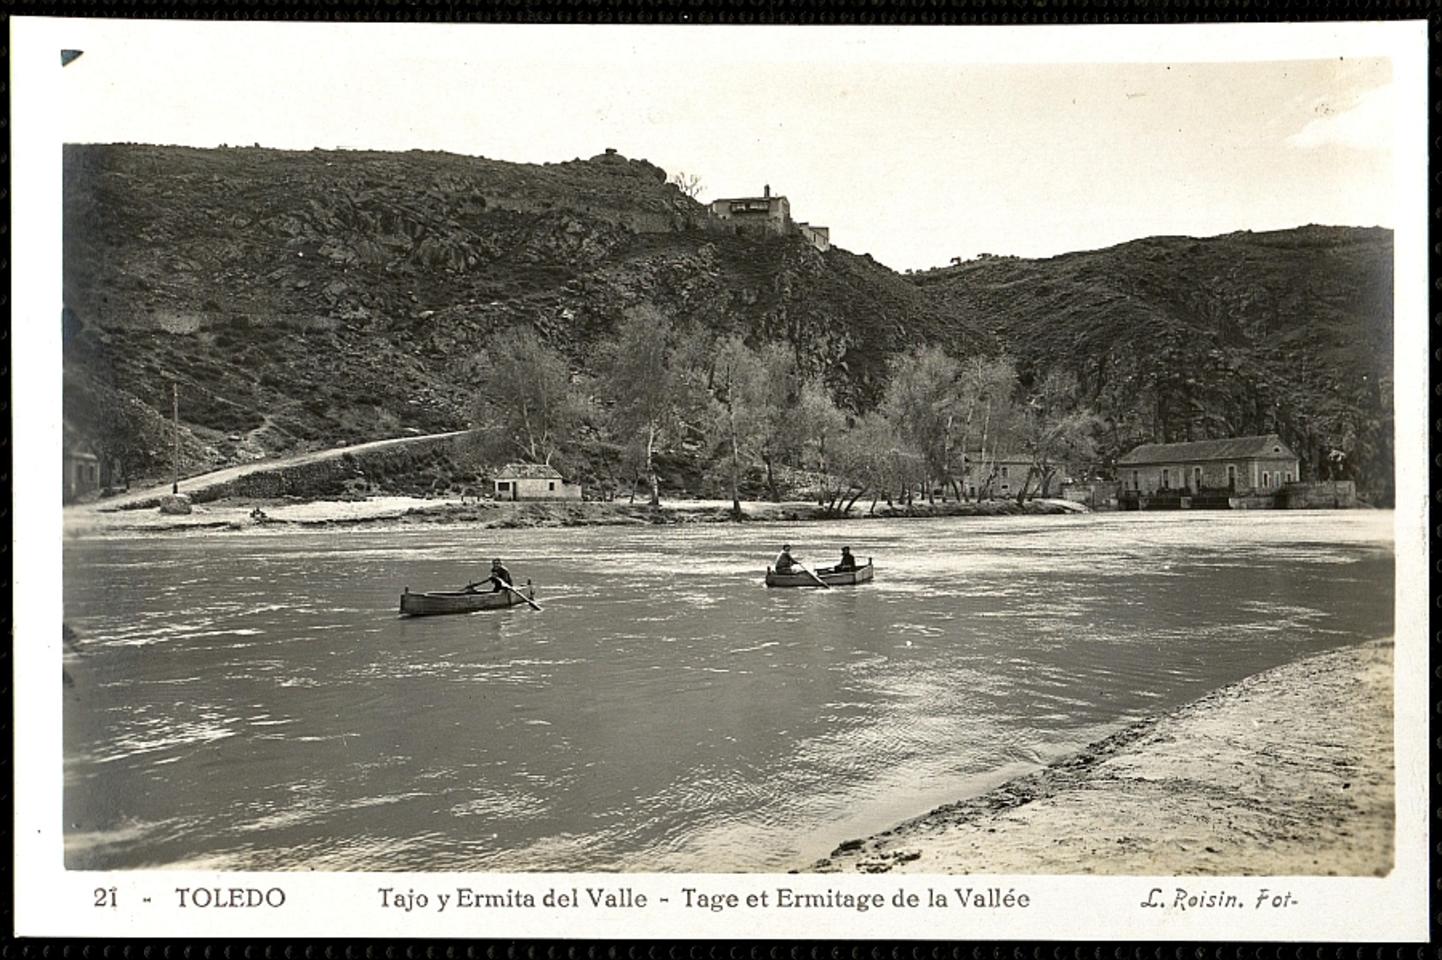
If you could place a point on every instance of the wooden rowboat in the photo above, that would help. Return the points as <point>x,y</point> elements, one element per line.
<point>844,578</point>
<point>459,601</point>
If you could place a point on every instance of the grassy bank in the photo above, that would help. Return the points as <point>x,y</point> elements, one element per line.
<point>1289,772</point>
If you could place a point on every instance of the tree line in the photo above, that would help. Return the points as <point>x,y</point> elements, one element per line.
<point>741,408</point>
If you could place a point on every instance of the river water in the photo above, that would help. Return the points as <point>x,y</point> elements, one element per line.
<point>253,701</point>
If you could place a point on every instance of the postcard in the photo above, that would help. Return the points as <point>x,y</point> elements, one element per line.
<point>720,481</point>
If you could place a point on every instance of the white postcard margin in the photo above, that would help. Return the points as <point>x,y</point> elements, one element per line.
<point>51,901</point>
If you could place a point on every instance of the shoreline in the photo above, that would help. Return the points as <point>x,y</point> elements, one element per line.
<point>1286,772</point>
<point>225,516</point>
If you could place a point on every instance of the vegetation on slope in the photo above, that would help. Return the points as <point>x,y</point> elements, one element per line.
<point>304,299</point>
<point>1173,338</point>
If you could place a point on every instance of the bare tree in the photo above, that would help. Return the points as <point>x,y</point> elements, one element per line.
<point>525,403</point>
<point>688,183</point>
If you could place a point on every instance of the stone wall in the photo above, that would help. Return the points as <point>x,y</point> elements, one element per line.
<point>1099,495</point>
<point>1318,495</point>
<point>1253,503</point>
<point>640,221</point>
<point>334,476</point>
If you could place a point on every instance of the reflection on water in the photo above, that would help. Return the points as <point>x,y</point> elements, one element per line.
<point>252,701</point>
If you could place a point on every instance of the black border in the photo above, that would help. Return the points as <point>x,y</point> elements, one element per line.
<point>736,12</point>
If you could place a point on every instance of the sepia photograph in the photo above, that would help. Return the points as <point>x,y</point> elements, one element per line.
<point>812,454</point>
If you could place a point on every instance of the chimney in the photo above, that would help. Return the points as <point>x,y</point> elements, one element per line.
<point>766,191</point>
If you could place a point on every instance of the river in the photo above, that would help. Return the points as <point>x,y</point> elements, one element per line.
<point>253,701</point>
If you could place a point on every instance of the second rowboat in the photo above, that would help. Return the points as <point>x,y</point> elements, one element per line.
<point>835,578</point>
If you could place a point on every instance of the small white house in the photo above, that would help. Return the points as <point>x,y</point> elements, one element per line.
<point>533,481</point>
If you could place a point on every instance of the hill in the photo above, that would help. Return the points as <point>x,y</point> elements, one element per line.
<point>1176,338</point>
<point>305,298</point>
<point>298,300</point>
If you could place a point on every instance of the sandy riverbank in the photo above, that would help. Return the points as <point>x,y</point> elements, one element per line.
<point>100,518</point>
<point>1289,772</point>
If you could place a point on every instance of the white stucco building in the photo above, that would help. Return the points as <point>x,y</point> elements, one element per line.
<point>533,481</point>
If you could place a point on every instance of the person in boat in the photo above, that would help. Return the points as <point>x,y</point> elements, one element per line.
<point>785,563</point>
<point>500,577</point>
<point>847,563</point>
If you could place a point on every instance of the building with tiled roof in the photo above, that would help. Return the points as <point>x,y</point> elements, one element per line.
<point>533,481</point>
<point>1258,464</point>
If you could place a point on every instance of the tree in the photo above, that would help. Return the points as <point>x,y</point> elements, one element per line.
<point>648,376</point>
<point>924,401</point>
<point>739,406</point>
<point>1055,429</point>
<point>526,405</point>
<point>688,183</point>
<point>871,459</point>
<point>820,425</point>
<point>776,395</point>
<point>986,389</point>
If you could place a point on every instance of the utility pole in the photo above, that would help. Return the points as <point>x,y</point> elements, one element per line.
<point>175,421</point>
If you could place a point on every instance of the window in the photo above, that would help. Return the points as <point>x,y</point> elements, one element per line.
<point>1289,476</point>
<point>1136,480</point>
<point>1003,472</point>
<point>1231,476</point>
<point>503,484</point>
<point>1266,479</point>
<point>1166,478</point>
<point>1196,478</point>
<point>551,485</point>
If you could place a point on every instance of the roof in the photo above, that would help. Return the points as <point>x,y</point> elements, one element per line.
<point>1236,448</point>
<point>528,471</point>
<point>977,457</point>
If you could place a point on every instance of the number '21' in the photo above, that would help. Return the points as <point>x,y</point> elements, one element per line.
<point>105,896</point>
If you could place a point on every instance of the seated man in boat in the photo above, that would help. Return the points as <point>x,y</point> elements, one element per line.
<point>500,577</point>
<point>847,562</point>
<point>785,563</point>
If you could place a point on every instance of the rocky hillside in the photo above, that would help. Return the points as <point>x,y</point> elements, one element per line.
<point>302,299</point>
<point>1174,338</point>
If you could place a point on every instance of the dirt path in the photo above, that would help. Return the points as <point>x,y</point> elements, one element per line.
<point>1289,772</point>
<point>200,481</point>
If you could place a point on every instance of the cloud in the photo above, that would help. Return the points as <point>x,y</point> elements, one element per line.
<point>1364,124</point>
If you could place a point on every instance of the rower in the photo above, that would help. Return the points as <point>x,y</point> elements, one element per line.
<point>784,560</point>
<point>500,577</point>
<point>847,562</point>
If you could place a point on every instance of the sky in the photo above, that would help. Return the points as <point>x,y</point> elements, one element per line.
<point>915,145</point>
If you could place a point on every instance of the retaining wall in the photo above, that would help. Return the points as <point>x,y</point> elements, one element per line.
<point>320,478</point>
<point>1318,495</point>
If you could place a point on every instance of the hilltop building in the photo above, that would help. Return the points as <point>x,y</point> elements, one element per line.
<point>767,214</point>
<point>533,481</point>
<point>1240,465</point>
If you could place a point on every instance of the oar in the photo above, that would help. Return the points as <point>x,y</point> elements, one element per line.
<point>534,605</point>
<point>812,575</point>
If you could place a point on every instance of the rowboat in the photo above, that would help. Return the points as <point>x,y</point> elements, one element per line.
<point>835,578</point>
<point>459,601</point>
